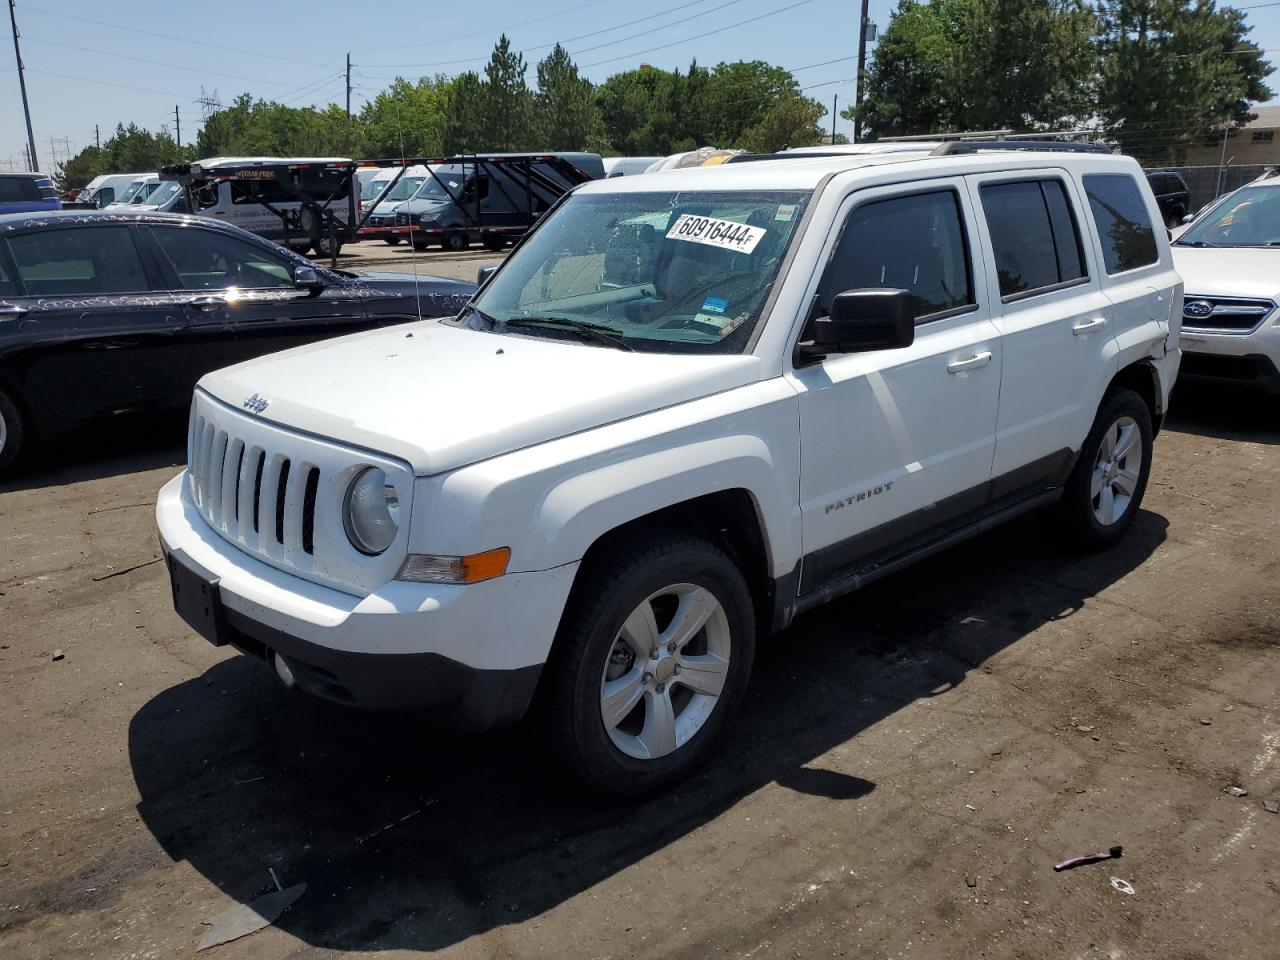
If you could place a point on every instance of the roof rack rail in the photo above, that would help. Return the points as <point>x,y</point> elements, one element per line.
<point>953,147</point>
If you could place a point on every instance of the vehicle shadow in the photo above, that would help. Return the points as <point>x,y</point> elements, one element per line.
<point>414,838</point>
<point>1226,411</point>
<point>130,446</point>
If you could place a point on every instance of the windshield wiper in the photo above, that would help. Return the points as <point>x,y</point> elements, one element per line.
<point>597,332</point>
<point>476,311</point>
<point>1193,243</point>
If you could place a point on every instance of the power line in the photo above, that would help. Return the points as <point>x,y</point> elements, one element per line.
<point>156,63</point>
<point>488,32</point>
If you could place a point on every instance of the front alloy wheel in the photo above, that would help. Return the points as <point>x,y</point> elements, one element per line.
<point>1116,471</point>
<point>651,660</point>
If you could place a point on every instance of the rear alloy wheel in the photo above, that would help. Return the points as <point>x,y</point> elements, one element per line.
<point>650,664</point>
<point>1105,490</point>
<point>12,432</point>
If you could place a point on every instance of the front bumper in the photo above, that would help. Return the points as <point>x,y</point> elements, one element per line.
<point>472,653</point>
<point>1243,358</point>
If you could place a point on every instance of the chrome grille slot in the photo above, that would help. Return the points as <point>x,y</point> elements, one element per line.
<point>277,495</point>
<point>1239,316</point>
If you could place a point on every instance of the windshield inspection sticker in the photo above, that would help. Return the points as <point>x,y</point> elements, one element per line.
<point>785,212</point>
<point>715,305</point>
<point>726,234</point>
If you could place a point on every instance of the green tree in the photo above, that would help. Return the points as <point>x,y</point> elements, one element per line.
<point>946,65</point>
<point>790,122</point>
<point>407,119</point>
<point>567,113</point>
<point>130,149</point>
<point>1174,73</point>
<point>465,105</point>
<point>507,120</point>
<point>740,95</point>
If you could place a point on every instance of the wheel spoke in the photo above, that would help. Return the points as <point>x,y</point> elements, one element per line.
<point>695,609</point>
<point>1095,482</point>
<point>1125,442</point>
<point>1109,441</point>
<point>619,697</point>
<point>1126,482</point>
<point>658,736</point>
<point>640,631</point>
<point>1107,505</point>
<point>703,674</point>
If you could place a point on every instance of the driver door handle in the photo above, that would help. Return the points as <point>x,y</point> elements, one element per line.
<point>972,363</point>
<point>1088,326</point>
<point>207,303</point>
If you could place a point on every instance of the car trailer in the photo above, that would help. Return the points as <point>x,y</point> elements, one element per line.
<point>530,183</point>
<point>320,187</point>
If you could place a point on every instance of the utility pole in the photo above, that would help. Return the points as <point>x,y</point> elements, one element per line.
<point>862,71</point>
<point>1222,161</point>
<point>348,85</point>
<point>834,100</point>
<point>22,82</point>
<point>97,137</point>
<point>177,123</point>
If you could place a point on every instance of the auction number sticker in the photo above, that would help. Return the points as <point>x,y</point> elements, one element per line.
<point>716,233</point>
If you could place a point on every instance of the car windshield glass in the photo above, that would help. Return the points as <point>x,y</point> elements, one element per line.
<point>1250,217</point>
<point>403,190</point>
<point>131,192</point>
<point>434,188</point>
<point>165,192</point>
<point>683,271</point>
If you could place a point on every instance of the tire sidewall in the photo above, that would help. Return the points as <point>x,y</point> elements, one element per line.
<point>705,567</point>
<point>1121,403</point>
<point>15,432</point>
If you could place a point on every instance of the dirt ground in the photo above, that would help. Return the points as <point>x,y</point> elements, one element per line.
<point>376,255</point>
<point>909,764</point>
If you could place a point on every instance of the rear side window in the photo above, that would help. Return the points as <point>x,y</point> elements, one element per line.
<point>82,261</point>
<point>914,243</point>
<point>205,260</point>
<point>1034,236</point>
<point>1124,226</point>
<point>8,286</point>
<point>19,190</point>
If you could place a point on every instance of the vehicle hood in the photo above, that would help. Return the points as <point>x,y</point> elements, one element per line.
<point>440,397</point>
<point>387,208</point>
<point>424,206</point>
<point>1229,271</point>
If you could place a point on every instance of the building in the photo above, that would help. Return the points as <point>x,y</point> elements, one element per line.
<point>1257,142</point>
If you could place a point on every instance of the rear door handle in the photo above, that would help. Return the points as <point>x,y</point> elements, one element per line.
<point>11,311</point>
<point>972,363</point>
<point>1088,326</point>
<point>207,303</point>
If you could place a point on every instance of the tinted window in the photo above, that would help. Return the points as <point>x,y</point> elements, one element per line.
<point>1124,226</point>
<point>208,260</point>
<point>18,190</point>
<point>8,287</point>
<point>1033,234</point>
<point>256,191</point>
<point>914,243</point>
<point>83,261</point>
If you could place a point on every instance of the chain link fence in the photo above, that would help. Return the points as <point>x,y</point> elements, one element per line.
<point>1206,184</point>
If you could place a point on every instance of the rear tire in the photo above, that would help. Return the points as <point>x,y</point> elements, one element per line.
<point>494,242</point>
<point>13,432</point>
<point>650,663</point>
<point>392,241</point>
<point>1104,492</point>
<point>455,241</point>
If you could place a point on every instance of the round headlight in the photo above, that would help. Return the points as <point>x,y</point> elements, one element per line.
<point>371,513</point>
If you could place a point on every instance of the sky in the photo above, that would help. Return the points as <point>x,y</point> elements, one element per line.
<point>90,62</point>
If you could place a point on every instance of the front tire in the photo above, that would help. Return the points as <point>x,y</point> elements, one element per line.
<point>650,664</point>
<point>12,432</point>
<point>455,241</point>
<point>1105,489</point>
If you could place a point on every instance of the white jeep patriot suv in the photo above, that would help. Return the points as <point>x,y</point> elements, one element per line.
<point>689,406</point>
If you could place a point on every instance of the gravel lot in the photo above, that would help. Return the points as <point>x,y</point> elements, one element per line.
<point>376,255</point>
<point>908,766</point>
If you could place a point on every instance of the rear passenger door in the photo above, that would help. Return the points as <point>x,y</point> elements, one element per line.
<point>896,445</point>
<point>1055,325</point>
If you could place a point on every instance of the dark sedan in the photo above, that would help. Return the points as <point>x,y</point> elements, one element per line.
<point>106,314</point>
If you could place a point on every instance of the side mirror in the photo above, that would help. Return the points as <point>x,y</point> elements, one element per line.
<point>306,278</point>
<point>1188,218</point>
<point>861,321</point>
<point>485,273</point>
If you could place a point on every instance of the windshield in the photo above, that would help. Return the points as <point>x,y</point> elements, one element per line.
<point>131,192</point>
<point>669,272</point>
<point>434,188</point>
<point>164,192</point>
<point>1250,217</point>
<point>403,190</point>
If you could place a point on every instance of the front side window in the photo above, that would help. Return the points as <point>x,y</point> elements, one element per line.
<point>1250,217</point>
<point>684,271</point>
<point>207,260</point>
<point>81,261</point>
<point>1034,236</point>
<point>1124,226</point>
<point>914,243</point>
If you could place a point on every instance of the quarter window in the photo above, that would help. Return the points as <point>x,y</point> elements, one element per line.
<point>914,243</point>
<point>84,261</point>
<point>1124,226</point>
<point>1034,236</point>
<point>207,260</point>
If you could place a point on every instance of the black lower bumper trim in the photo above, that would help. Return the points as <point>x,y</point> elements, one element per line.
<point>1254,368</point>
<point>461,696</point>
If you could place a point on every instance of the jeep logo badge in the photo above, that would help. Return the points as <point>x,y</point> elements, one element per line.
<point>1198,309</point>
<point>256,403</point>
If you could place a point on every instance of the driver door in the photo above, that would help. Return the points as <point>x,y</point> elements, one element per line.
<point>240,299</point>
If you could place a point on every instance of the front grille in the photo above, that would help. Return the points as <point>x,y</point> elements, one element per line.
<point>260,498</point>
<point>380,221</point>
<point>278,495</point>
<point>1231,315</point>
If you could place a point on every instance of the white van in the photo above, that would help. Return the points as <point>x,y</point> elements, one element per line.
<point>627,166</point>
<point>242,202</point>
<point>381,224</point>
<point>137,192</point>
<point>104,189</point>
